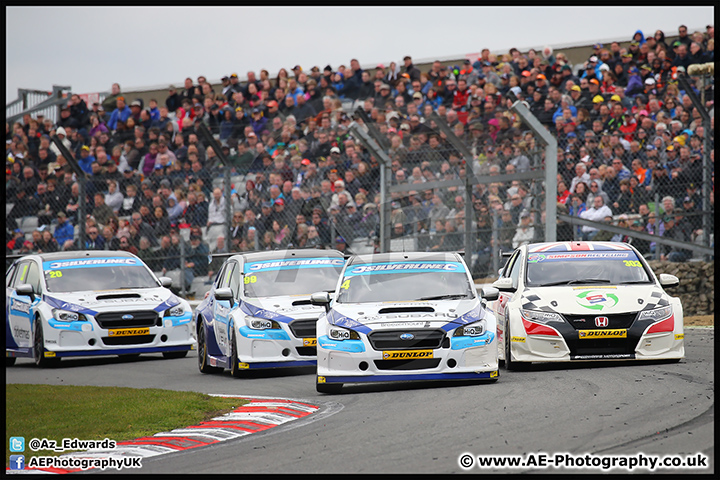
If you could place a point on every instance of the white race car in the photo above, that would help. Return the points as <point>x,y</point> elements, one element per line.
<point>580,301</point>
<point>258,312</point>
<point>86,303</point>
<point>405,316</point>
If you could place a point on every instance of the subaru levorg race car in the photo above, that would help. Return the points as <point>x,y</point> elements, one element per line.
<point>580,301</point>
<point>405,316</point>
<point>86,303</point>
<point>258,313</point>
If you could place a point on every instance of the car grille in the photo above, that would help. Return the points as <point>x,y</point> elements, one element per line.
<point>307,351</point>
<point>390,339</point>
<point>303,328</point>
<point>418,364</point>
<point>604,346</point>
<point>128,340</point>
<point>587,322</point>
<point>141,318</point>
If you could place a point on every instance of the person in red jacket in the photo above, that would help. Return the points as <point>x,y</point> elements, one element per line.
<point>461,96</point>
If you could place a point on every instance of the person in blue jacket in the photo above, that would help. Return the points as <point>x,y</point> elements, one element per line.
<point>122,112</point>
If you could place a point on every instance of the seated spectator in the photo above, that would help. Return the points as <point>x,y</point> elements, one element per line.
<point>596,213</point>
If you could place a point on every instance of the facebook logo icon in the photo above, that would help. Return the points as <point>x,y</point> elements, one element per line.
<point>17,462</point>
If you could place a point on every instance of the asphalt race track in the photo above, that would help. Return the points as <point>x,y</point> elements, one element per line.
<point>598,409</point>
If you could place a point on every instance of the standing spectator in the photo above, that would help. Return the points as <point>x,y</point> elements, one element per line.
<point>216,209</point>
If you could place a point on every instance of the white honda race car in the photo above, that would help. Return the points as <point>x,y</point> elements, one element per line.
<point>581,301</point>
<point>405,317</point>
<point>88,303</point>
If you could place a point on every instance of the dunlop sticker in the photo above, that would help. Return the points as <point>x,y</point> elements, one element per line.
<point>611,333</point>
<point>407,354</point>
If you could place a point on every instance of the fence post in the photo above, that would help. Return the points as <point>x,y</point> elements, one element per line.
<point>385,162</point>
<point>81,177</point>
<point>183,293</point>
<point>701,70</point>
<point>227,167</point>
<point>550,166</point>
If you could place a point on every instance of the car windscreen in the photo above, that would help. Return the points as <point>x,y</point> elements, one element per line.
<point>585,267</point>
<point>404,281</point>
<point>301,276</point>
<point>107,273</point>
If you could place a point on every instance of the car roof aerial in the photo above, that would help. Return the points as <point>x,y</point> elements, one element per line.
<point>72,255</point>
<point>405,256</point>
<point>577,246</point>
<point>290,254</point>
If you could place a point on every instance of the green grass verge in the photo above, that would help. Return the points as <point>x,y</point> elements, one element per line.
<point>96,413</point>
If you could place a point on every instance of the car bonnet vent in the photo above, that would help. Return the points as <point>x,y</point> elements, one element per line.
<point>113,296</point>
<point>301,302</point>
<point>406,310</point>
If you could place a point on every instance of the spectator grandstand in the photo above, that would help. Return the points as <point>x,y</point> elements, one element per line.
<point>631,146</point>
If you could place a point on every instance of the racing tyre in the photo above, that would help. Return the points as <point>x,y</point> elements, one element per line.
<point>39,347</point>
<point>235,369</point>
<point>329,388</point>
<point>203,364</point>
<point>509,363</point>
<point>182,354</point>
<point>9,361</point>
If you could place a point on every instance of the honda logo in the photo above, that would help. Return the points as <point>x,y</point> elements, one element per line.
<point>602,321</point>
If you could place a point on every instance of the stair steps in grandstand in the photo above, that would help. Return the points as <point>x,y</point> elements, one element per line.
<point>361,246</point>
<point>199,287</point>
<point>211,234</point>
<point>405,244</point>
<point>29,224</point>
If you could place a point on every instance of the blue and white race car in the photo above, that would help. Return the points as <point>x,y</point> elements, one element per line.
<point>87,303</point>
<point>258,313</point>
<point>405,316</point>
<point>585,301</point>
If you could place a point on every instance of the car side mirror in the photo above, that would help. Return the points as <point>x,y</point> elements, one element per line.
<point>224,294</point>
<point>165,281</point>
<point>25,289</point>
<point>504,284</point>
<point>321,298</point>
<point>489,294</point>
<point>667,280</point>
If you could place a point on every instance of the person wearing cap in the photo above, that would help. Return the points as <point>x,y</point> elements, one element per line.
<point>64,230</point>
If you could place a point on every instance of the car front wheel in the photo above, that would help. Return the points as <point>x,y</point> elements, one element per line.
<point>39,347</point>
<point>203,364</point>
<point>235,369</point>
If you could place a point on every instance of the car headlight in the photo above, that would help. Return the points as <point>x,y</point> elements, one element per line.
<point>541,317</point>
<point>471,330</point>
<point>66,316</point>
<point>339,333</point>
<point>261,323</point>
<point>176,311</point>
<point>657,314</point>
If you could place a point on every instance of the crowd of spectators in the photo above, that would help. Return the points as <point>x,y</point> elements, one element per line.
<point>627,134</point>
